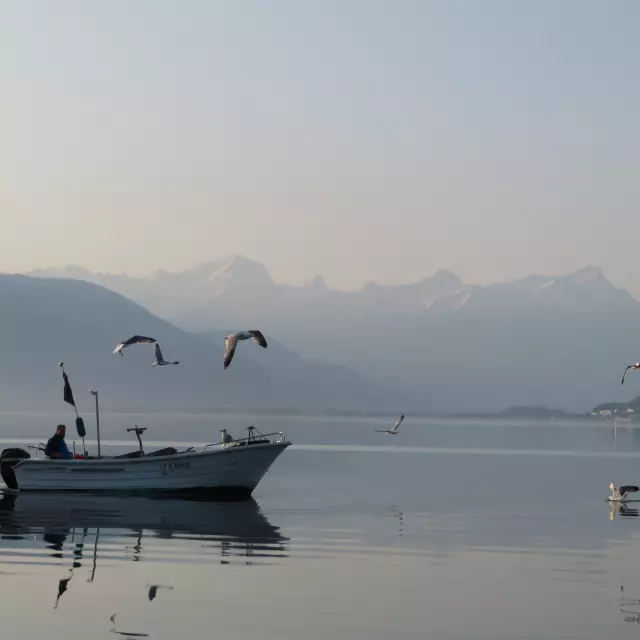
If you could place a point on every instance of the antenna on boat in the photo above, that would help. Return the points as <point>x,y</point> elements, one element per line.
<point>94,393</point>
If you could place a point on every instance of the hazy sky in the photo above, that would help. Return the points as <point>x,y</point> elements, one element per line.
<point>360,139</point>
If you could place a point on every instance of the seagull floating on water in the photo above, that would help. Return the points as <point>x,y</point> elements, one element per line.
<point>619,494</point>
<point>133,340</point>
<point>160,361</point>
<point>394,430</point>
<point>232,343</point>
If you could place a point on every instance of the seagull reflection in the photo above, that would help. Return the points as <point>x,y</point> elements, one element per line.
<point>622,510</point>
<point>628,601</point>
<point>62,587</point>
<point>125,634</point>
<point>153,590</point>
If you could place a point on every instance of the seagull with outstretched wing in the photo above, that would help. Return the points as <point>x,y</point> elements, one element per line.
<point>160,361</point>
<point>133,340</point>
<point>394,430</point>
<point>632,367</point>
<point>620,493</point>
<point>232,342</point>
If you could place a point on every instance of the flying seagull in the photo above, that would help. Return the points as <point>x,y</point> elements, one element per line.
<point>232,343</point>
<point>394,430</point>
<point>133,340</point>
<point>621,493</point>
<point>160,361</point>
<point>633,367</point>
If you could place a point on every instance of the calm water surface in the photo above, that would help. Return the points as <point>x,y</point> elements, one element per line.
<point>448,530</point>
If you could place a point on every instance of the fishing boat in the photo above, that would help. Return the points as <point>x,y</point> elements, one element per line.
<point>228,469</point>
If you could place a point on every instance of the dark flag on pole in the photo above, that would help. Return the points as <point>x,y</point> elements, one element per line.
<point>68,394</point>
<point>68,398</point>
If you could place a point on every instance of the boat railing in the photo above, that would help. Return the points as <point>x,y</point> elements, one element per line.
<point>41,446</point>
<point>275,437</point>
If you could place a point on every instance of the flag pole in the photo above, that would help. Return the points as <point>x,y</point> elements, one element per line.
<point>69,399</point>
<point>95,395</point>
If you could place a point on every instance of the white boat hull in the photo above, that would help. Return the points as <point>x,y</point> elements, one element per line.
<point>233,470</point>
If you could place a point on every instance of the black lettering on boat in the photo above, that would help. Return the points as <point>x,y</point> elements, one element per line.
<point>172,467</point>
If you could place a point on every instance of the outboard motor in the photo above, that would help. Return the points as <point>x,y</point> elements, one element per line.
<point>9,458</point>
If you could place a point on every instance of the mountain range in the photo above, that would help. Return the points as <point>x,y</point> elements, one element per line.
<point>439,344</point>
<point>43,322</point>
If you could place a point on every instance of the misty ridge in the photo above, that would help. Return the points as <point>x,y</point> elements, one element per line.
<point>45,321</point>
<point>437,346</point>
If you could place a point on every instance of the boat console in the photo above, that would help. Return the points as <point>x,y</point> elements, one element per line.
<point>166,451</point>
<point>138,431</point>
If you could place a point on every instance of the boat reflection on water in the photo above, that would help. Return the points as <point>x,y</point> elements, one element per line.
<point>59,513</point>
<point>71,525</point>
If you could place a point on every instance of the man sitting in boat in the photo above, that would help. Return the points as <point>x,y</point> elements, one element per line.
<point>57,447</point>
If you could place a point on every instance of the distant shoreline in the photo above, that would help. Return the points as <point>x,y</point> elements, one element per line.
<point>504,416</point>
